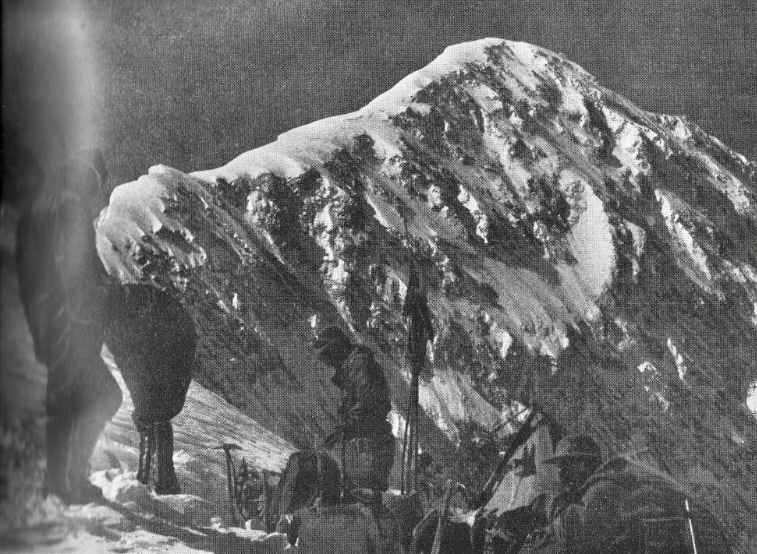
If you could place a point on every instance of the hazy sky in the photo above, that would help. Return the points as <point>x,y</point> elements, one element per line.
<point>194,83</point>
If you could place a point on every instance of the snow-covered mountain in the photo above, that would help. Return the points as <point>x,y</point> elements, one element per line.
<point>579,253</point>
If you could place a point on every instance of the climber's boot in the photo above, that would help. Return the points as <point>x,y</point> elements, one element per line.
<point>167,482</point>
<point>146,448</point>
<point>59,430</point>
<point>85,433</point>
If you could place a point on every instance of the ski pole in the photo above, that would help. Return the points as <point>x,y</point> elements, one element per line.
<point>691,527</point>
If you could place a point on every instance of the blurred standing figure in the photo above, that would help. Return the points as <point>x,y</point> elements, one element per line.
<point>365,434</point>
<point>22,175</point>
<point>63,286</point>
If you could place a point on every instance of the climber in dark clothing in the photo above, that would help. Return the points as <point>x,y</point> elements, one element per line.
<point>585,516</point>
<point>365,434</point>
<point>153,340</point>
<point>63,286</point>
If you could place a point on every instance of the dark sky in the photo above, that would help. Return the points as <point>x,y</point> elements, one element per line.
<point>194,83</point>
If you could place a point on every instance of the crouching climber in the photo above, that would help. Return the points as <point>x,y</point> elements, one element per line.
<point>152,338</point>
<point>585,515</point>
<point>364,436</point>
<point>621,506</point>
<point>337,525</point>
<point>63,286</point>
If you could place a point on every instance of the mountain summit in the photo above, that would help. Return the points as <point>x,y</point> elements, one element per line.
<point>579,253</point>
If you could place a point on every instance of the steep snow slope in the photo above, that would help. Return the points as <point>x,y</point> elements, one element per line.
<point>579,253</point>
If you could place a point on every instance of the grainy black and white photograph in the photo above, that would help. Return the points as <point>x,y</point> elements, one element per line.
<point>397,277</point>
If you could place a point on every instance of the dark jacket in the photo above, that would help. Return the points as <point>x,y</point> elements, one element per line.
<point>592,520</point>
<point>585,521</point>
<point>152,338</point>
<point>365,395</point>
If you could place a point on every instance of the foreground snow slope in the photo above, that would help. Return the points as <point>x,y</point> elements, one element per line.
<point>579,253</point>
<point>133,519</point>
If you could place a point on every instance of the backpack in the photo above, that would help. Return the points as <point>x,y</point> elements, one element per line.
<point>307,476</point>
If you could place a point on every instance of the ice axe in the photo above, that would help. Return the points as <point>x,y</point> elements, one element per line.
<point>518,440</point>
<point>227,448</point>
